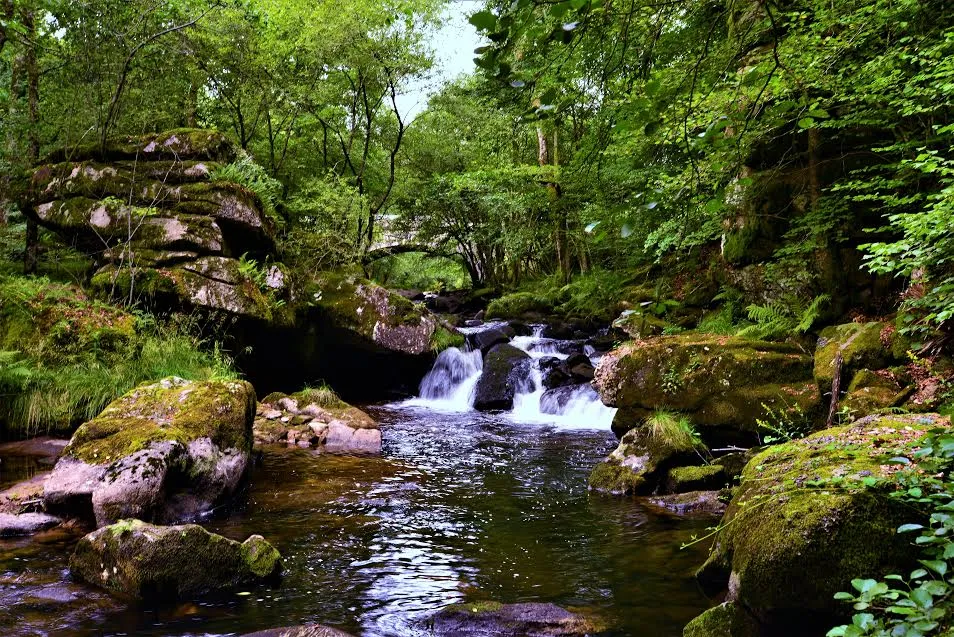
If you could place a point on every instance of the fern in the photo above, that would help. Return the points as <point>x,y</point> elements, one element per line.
<point>245,172</point>
<point>780,319</point>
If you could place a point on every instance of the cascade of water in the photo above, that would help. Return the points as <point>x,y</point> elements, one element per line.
<point>450,384</point>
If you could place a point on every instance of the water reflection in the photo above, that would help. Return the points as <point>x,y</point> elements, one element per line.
<point>460,507</point>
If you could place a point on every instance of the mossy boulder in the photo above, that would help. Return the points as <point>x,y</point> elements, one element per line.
<point>167,451</point>
<point>640,462</point>
<point>137,560</point>
<point>209,282</point>
<point>180,144</point>
<point>873,391</point>
<point>498,383</point>
<point>639,326</point>
<point>364,339</point>
<point>510,620</point>
<point>723,384</point>
<point>803,522</point>
<point>862,345</point>
<point>150,215</point>
<point>724,620</point>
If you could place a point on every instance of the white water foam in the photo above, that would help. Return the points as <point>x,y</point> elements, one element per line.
<point>451,384</point>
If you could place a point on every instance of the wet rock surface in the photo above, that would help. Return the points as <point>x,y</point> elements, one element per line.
<point>313,630</point>
<point>490,619</point>
<point>498,383</point>
<point>142,561</point>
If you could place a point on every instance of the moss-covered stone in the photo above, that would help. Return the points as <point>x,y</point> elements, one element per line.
<point>871,392</point>
<point>166,451</point>
<point>803,522</point>
<point>639,326</point>
<point>723,383</point>
<point>169,410</point>
<point>373,313</point>
<point>724,620</point>
<point>701,478</point>
<point>644,455</point>
<point>180,144</point>
<point>862,345</point>
<point>138,560</point>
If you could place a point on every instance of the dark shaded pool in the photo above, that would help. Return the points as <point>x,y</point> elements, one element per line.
<point>461,507</point>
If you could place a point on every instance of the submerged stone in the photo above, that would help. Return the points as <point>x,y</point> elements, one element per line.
<point>314,630</point>
<point>142,561</point>
<point>506,620</point>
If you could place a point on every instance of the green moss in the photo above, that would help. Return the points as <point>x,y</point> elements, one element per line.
<point>444,338</point>
<point>861,346</point>
<point>611,477</point>
<point>719,381</point>
<point>519,304</point>
<point>724,620</point>
<point>702,478</point>
<point>323,396</point>
<point>262,559</point>
<point>170,410</point>
<point>803,523</point>
<point>475,607</point>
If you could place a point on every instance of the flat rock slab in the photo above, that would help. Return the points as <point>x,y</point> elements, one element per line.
<point>24,495</point>
<point>26,524</point>
<point>314,630</point>
<point>485,619</point>
<point>43,446</point>
<point>693,502</point>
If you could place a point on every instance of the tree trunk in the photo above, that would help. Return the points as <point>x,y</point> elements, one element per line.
<point>33,134</point>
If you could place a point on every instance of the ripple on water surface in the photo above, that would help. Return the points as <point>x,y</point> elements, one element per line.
<point>460,507</point>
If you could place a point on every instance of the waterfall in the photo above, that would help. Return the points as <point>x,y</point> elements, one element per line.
<point>452,382</point>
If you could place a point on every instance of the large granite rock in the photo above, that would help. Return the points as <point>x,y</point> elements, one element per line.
<point>364,339</point>
<point>138,560</point>
<point>723,384</point>
<point>167,451</point>
<point>787,544</point>
<point>160,227</point>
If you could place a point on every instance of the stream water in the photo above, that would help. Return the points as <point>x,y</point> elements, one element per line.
<point>461,506</point>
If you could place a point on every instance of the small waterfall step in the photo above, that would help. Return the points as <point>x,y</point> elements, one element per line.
<point>451,384</point>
